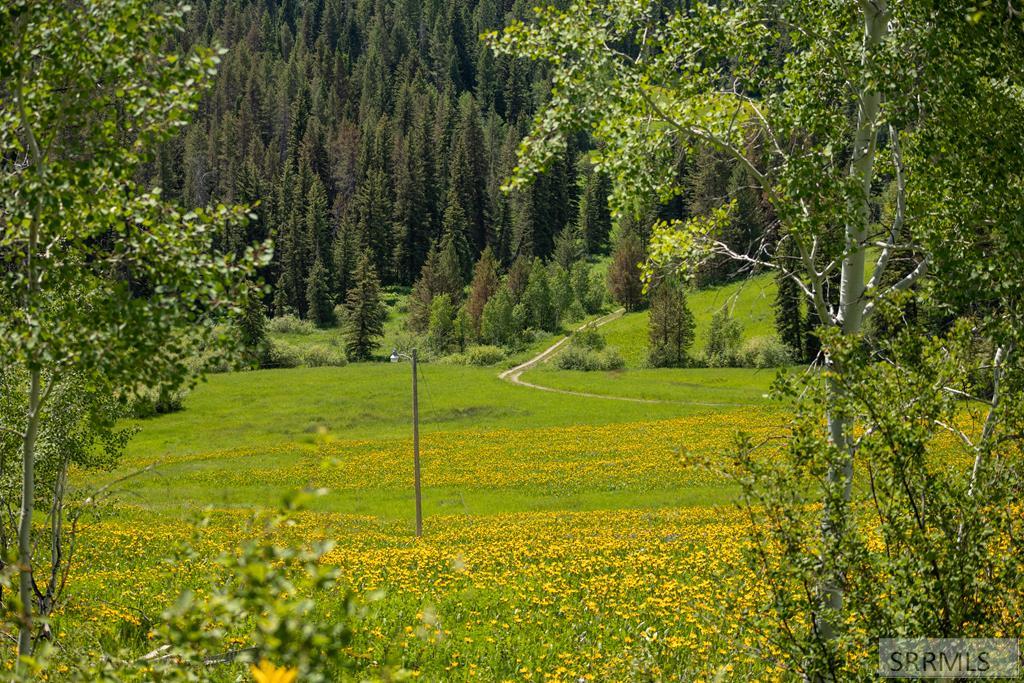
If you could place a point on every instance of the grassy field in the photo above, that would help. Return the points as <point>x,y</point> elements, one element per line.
<point>749,300</point>
<point>566,538</point>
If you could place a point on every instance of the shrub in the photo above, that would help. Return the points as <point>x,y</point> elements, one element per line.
<point>289,324</point>
<point>610,359</point>
<point>765,352</point>
<point>724,337</point>
<point>148,402</point>
<point>484,355</point>
<point>321,355</point>
<point>281,354</point>
<point>588,338</point>
<point>582,358</point>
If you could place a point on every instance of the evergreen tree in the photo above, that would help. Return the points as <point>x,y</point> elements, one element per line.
<point>455,247</point>
<point>373,218</point>
<point>319,303</point>
<point>518,276</point>
<point>569,247</point>
<point>253,326</point>
<point>318,227</point>
<point>483,286</point>
<point>789,318</point>
<point>366,312</point>
<point>427,285</point>
<point>670,326</point>
<point>469,174</point>
<point>540,309</point>
<point>624,282</point>
<point>594,217</point>
<point>345,254</point>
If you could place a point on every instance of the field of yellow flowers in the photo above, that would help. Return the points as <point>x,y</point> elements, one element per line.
<point>596,579</point>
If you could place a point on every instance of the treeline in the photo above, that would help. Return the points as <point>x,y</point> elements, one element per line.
<point>380,127</point>
<point>386,128</point>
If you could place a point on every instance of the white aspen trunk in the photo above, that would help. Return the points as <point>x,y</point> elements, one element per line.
<point>25,521</point>
<point>851,301</point>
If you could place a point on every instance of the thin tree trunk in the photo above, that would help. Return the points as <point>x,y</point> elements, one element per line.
<point>25,522</point>
<point>851,309</point>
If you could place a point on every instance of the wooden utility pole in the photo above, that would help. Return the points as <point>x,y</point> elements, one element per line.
<point>416,448</point>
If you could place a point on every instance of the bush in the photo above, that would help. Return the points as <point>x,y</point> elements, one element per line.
<point>321,355</point>
<point>725,335</point>
<point>289,324</point>
<point>588,338</point>
<point>581,358</point>
<point>149,402</point>
<point>281,354</point>
<point>765,352</point>
<point>484,355</point>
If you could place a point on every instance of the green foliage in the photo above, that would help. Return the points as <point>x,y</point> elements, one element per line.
<point>790,322</point>
<point>588,338</point>
<point>624,282</point>
<point>724,336</point>
<point>319,302</point>
<point>931,539</point>
<point>540,308</point>
<point>582,358</point>
<point>670,326</point>
<point>442,337</point>
<point>289,324</point>
<point>563,297</point>
<point>483,286</point>
<point>107,286</point>
<point>594,219</point>
<point>476,355</point>
<point>252,327</point>
<point>366,312</point>
<point>498,324</point>
<point>588,289</point>
<point>272,600</point>
<point>151,402</point>
<point>765,352</point>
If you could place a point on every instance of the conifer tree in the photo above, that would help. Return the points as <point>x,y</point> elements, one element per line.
<point>624,282</point>
<point>789,317</point>
<point>670,326</point>
<point>319,303</point>
<point>318,226</point>
<point>588,289</point>
<point>253,326</point>
<point>427,285</point>
<point>569,247</point>
<point>518,276</point>
<point>483,286</point>
<point>469,174</point>
<point>594,218</point>
<point>455,248</point>
<point>345,254</point>
<point>366,312</point>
